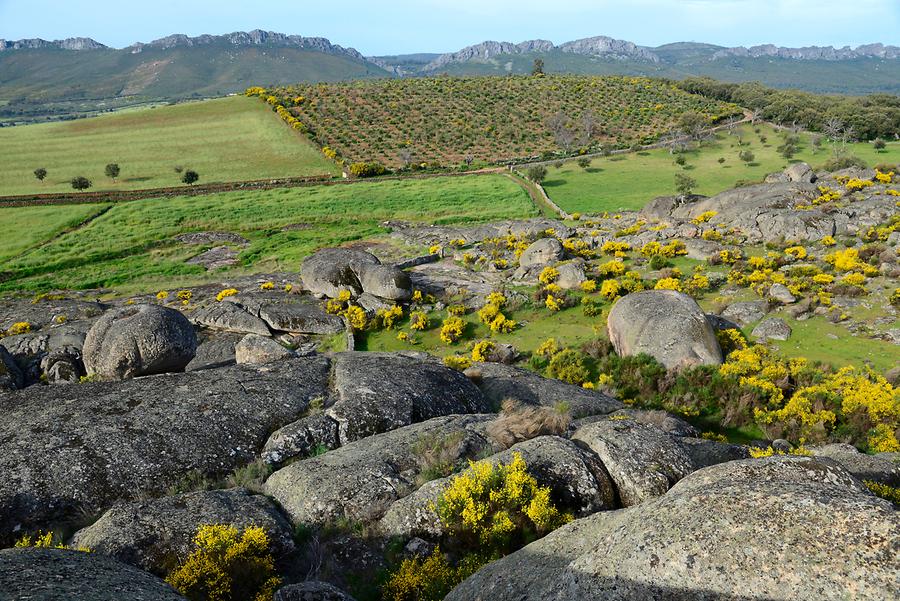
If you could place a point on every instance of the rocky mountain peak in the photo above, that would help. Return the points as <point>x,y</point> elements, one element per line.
<point>66,44</point>
<point>257,37</point>
<point>828,53</point>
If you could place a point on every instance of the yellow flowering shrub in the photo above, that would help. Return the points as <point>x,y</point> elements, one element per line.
<point>356,317</point>
<point>185,296</point>
<point>496,298</point>
<point>828,241</point>
<point>548,275</point>
<point>457,363</point>
<point>418,321</point>
<point>162,295</point>
<point>428,579</point>
<point>589,286</point>
<point>488,312</point>
<point>416,296</point>
<point>730,257</point>
<point>482,350</point>
<point>823,278</point>
<point>759,452</point>
<point>854,279</point>
<point>456,310</point>
<point>711,235</point>
<point>402,336</point>
<point>610,289</point>
<point>856,184</point>
<point>389,317</point>
<point>547,348</point>
<point>502,324</point>
<point>668,284</point>
<point>46,540</point>
<point>888,493</point>
<point>672,249</point>
<point>223,294</point>
<point>498,507</point>
<point>20,327</point>
<point>227,565</point>
<point>731,339</point>
<point>797,252</point>
<point>704,217</point>
<point>614,248</point>
<point>267,286</point>
<point>553,303</point>
<point>895,297</point>
<point>452,329</point>
<point>844,260</point>
<point>434,249</point>
<point>613,268</point>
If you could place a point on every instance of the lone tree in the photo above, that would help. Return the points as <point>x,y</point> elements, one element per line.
<point>537,173</point>
<point>190,176</point>
<point>878,144</point>
<point>81,183</point>
<point>112,171</point>
<point>584,162</point>
<point>747,156</point>
<point>684,185</point>
<point>538,67</point>
<point>40,173</point>
<point>562,132</point>
<point>692,124</point>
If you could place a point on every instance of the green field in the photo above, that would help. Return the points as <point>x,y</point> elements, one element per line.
<point>27,227</point>
<point>131,243</point>
<point>629,181</point>
<point>227,139</point>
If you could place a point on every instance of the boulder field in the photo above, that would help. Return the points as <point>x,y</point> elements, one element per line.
<point>127,425</point>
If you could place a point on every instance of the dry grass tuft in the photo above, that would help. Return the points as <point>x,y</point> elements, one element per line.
<point>519,422</point>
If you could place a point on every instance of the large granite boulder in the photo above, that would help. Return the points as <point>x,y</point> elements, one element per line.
<point>642,460</point>
<point>359,481</point>
<point>63,366</point>
<point>771,328</point>
<point>881,468</point>
<point>64,575</point>
<point>306,436</point>
<point>500,382</point>
<point>665,324</point>
<point>156,535</point>
<point>800,172</point>
<point>216,349</point>
<point>139,340</point>
<point>745,313</point>
<point>293,313</point>
<point>231,317</point>
<point>540,253</point>
<point>774,528</point>
<point>385,281</point>
<point>311,590</point>
<point>330,270</point>
<point>378,392</point>
<point>70,450</point>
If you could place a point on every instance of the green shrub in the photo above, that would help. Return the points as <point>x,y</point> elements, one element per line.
<point>569,366</point>
<point>844,161</point>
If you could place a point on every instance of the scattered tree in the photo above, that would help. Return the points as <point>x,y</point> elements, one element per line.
<point>537,173</point>
<point>584,162</point>
<point>112,171</point>
<point>190,177</point>
<point>684,185</point>
<point>469,159</point>
<point>878,144</point>
<point>680,160</point>
<point>562,131</point>
<point>538,67</point>
<point>588,127</point>
<point>692,124</point>
<point>747,156</point>
<point>178,168</point>
<point>721,160</point>
<point>40,173</point>
<point>406,157</point>
<point>81,183</point>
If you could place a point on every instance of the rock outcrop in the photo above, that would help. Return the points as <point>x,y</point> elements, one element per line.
<point>719,533</point>
<point>139,340</point>
<point>666,324</point>
<point>64,575</point>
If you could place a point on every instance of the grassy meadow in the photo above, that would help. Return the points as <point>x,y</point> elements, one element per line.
<point>27,227</point>
<point>226,139</point>
<point>130,244</point>
<point>629,181</point>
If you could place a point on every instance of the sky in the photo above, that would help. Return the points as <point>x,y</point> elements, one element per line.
<point>406,26</point>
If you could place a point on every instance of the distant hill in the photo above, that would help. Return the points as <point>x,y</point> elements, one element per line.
<point>42,79</point>
<point>868,69</point>
<point>79,75</point>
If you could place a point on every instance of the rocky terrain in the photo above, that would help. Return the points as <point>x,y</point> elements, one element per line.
<point>130,423</point>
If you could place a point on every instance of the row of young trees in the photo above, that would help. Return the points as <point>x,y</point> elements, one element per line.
<point>112,171</point>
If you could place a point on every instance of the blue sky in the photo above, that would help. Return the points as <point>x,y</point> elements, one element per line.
<point>390,27</point>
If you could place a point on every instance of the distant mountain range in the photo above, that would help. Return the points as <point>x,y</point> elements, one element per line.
<point>40,78</point>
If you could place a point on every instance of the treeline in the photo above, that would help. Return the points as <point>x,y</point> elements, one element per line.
<point>867,117</point>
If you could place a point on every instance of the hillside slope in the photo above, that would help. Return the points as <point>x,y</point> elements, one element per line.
<point>50,80</point>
